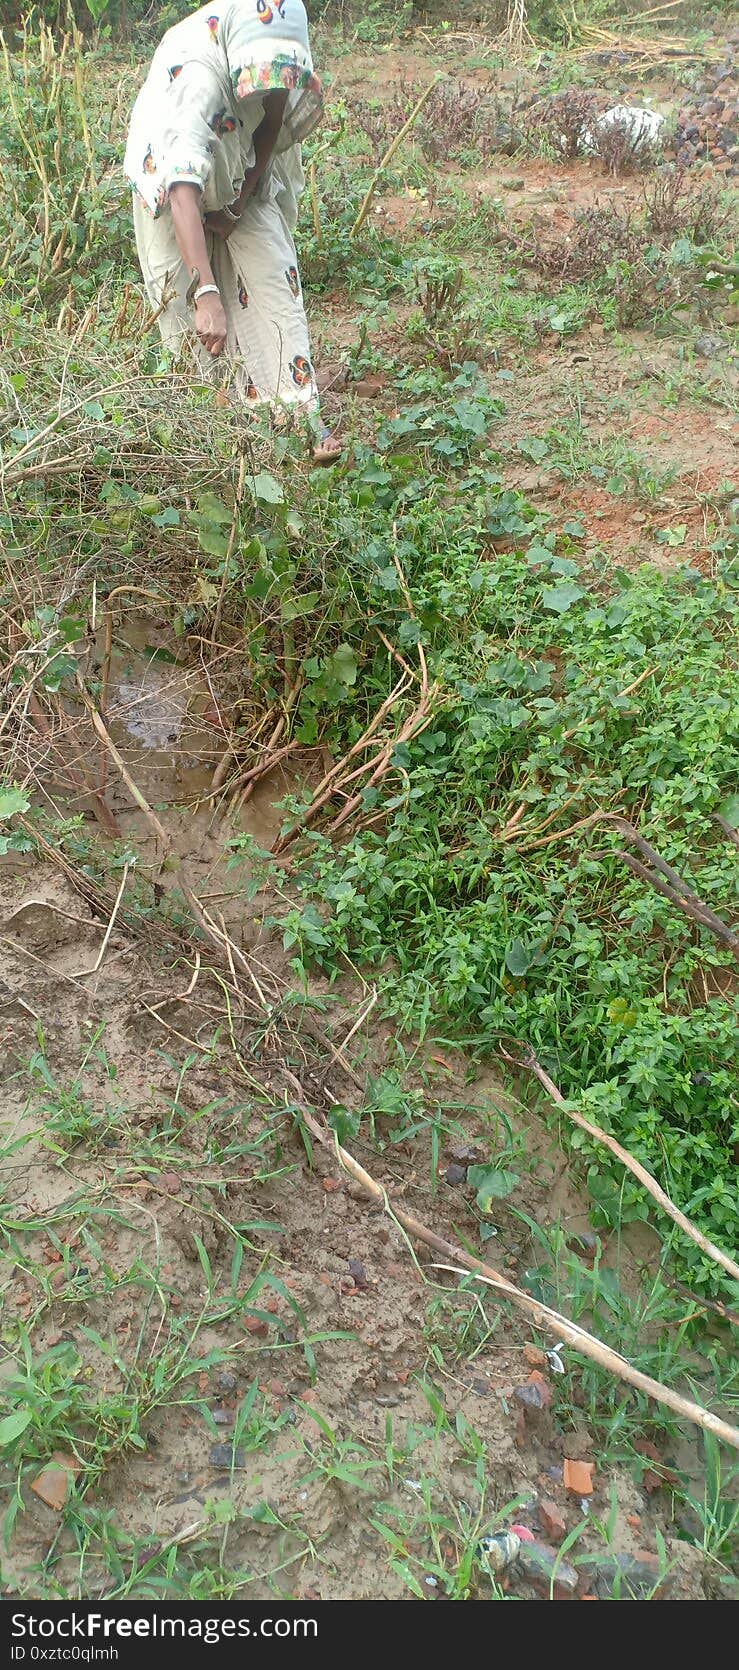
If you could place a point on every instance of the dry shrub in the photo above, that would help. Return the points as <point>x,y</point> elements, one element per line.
<point>609,241</point>
<point>644,288</point>
<point>599,236</point>
<point>457,117</point>
<point>564,121</point>
<point>622,150</point>
<point>678,205</point>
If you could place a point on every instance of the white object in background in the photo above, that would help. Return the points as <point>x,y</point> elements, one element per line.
<point>642,126</point>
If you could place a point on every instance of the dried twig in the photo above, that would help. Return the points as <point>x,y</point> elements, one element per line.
<point>588,1345</point>
<point>730,832</point>
<point>80,973</point>
<point>238,501</point>
<point>388,157</point>
<point>665,880</point>
<point>528,1060</point>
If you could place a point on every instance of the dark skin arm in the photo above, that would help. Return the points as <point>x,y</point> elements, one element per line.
<point>265,139</point>
<point>210,316</point>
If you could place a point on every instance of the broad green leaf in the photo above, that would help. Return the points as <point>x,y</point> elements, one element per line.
<point>561,598</point>
<point>729,809</point>
<point>267,488</point>
<point>12,801</point>
<point>13,1425</point>
<point>212,509</point>
<point>517,959</point>
<point>343,664</point>
<point>492,1183</point>
<point>533,448</point>
<point>213,543</point>
<point>344,1122</point>
<point>293,607</point>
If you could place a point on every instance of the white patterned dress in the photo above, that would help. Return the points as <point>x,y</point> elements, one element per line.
<point>194,122</point>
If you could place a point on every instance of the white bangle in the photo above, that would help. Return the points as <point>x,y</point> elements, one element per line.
<point>206,290</point>
<point>234,219</point>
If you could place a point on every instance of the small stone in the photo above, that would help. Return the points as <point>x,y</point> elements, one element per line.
<point>224,1457</point>
<point>170,1182</point>
<point>552,1520</point>
<point>455,1174</point>
<point>331,1185</point>
<point>534,1356</point>
<point>536,1393</point>
<point>465,1153</point>
<point>500,1551</point>
<point>357,1272</point>
<point>226,1381</point>
<point>539,1564</point>
<point>578,1477</point>
<point>222,1417</point>
<point>255,1325</point>
<point>529,1396</point>
<point>631,1576</point>
<point>707,347</point>
<point>52,1484</point>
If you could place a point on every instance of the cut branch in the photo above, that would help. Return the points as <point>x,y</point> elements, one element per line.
<point>588,1345</point>
<point>529,1061</point>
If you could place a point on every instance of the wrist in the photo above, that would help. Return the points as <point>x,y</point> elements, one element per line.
<point>206,290</point>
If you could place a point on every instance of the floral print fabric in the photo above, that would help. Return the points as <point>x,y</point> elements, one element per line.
<point>196,115</point>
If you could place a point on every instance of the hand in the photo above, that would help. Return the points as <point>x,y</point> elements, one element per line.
<point>211,324</point>
<point>219,223</point>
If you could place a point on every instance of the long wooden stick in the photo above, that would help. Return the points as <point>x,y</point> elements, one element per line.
<point>388,157</point>
<point>529,1060</point>
<point>571,1333</point>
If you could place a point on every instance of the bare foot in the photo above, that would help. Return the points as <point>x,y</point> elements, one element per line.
<point>328,449</point>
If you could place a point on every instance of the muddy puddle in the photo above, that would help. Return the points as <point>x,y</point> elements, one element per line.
<point>163,715</point>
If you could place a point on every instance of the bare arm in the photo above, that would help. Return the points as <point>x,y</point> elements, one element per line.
<point>210,317</point>
<point>264,141</point>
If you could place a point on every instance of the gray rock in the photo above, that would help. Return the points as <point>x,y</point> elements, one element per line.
<point>224,1456</point>
<point>540,1564</point>
<point>708,347</point>
<point>626,1575</point>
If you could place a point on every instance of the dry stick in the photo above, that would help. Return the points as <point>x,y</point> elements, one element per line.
<point>242,796</point>
<point>689,904</point>
<point>418,722</point>
<point>328,785</point>
<point>80,973</point>
<point>588,1345</point>
<point>728,829</point>
<point>529,1061</point>
<point>388,157</point>
<point>265,765</point>
<point>238,501</point>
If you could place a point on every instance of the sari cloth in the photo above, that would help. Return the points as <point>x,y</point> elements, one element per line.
<point>194,122</point>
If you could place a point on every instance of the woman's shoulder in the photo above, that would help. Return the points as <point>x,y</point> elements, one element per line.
<point>192,35</point>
